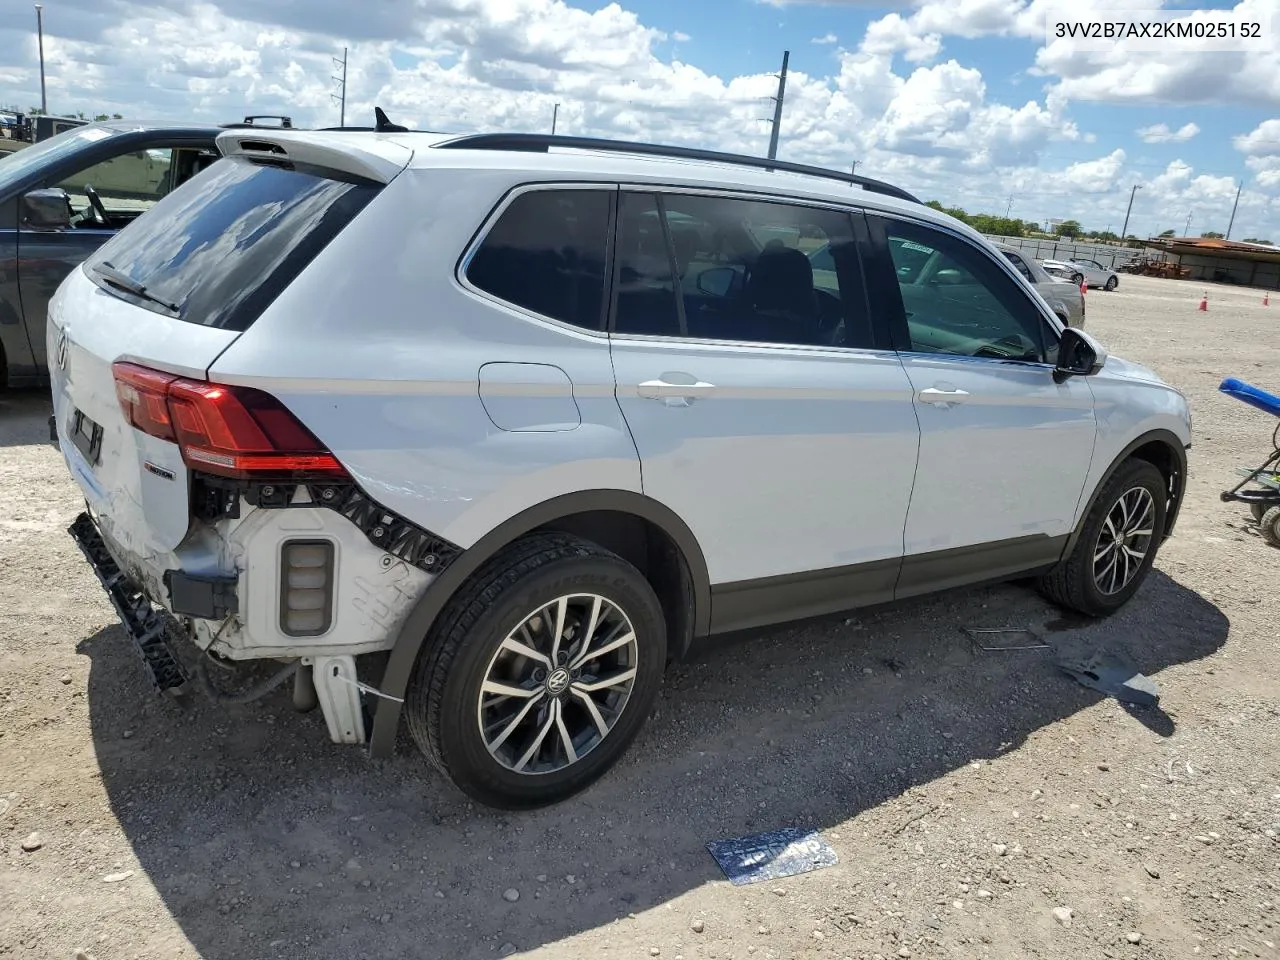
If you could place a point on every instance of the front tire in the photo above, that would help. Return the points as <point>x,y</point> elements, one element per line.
<point>540,673</point>
<point>1111,284</point>
<point>1117,543</point>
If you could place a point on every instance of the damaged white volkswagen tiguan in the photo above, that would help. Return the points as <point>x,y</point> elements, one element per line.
<point>486,430</point>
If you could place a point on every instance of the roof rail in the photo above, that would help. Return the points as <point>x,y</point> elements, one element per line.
<point>541,143</point>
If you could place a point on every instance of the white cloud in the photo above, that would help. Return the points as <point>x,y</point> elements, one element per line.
<point>1262,141</point>
<point>892,34</point>
<point>826,38</point>
<point>1160,133</point>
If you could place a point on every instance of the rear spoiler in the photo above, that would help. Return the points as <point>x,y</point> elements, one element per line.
<point>371,158</point>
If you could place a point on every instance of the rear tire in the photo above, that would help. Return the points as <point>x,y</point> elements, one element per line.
<point>1077,278</point>
<point>1269,526</point>
<point>1117,543</point>
<point>498,632</point>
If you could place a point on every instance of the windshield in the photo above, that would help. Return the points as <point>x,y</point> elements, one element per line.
<point>21,162</point>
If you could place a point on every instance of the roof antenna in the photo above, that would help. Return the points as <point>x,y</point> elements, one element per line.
<point>384,125</point>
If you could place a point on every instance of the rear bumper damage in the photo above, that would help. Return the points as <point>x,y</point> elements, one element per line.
<point>152,631</point>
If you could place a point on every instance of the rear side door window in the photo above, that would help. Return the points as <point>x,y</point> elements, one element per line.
<point>957,301</point>
<point>724,268</point>
<point>1020,265</point>
<point>546,253</point>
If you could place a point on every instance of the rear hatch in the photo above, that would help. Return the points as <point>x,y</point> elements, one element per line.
<point>133,331</point>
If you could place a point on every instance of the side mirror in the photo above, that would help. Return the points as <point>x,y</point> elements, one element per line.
<point>1079,355</point>
<point>717,281</point>
<point>47,209</point>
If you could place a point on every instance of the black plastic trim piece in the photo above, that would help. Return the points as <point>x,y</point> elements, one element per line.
<point>1178,481</point>
<point>204,598</point>
<point>541,143</point>
<point>417,626</point>
<point>152,631</point>
<point>979,563</point>
<point>746,604</point>
<point>772,601</point>
<point>214,498</point>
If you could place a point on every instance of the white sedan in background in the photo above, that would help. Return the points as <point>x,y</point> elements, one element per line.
<point>1080,271</point>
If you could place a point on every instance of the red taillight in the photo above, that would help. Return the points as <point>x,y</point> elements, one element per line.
<point>229,431</point>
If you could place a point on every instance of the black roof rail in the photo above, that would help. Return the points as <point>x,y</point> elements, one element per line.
<point>541,143</point>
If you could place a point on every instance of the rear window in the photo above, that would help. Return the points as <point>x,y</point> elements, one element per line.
<point>218,250</point>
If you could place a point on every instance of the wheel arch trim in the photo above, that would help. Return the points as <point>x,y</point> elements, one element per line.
<point>1178,453</point>
<point>413,632</point>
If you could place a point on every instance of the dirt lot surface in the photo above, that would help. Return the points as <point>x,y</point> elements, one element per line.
<point>982,804</point>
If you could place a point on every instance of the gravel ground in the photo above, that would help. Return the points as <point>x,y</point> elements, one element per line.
<point>982,804</point>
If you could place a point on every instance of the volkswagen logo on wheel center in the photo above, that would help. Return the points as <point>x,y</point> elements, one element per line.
<point>558,682</point>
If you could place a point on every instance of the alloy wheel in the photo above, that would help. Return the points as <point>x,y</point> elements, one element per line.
<point>1124,540</point>
<point>557,684</point>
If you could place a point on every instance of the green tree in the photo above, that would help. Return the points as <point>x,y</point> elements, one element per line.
<point>1256,240</point>
<point>1069,229</point>
<point>1211,235</point>
<point>1167,233</point>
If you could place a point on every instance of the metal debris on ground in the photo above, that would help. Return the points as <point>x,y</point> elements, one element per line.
<point>1020,638</point>
<point>1114,675</point>
<point>772,855</point>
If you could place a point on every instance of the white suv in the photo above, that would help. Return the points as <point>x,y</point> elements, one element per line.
<point>488,429</point>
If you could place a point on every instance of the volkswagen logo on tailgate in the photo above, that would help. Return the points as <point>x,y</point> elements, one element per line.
<point>62,349</point>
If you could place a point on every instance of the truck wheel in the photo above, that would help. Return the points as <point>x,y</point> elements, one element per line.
<point>540,674</point>
<point>1117,543</point>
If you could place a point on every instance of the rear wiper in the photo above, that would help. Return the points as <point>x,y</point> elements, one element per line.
<point>122,281</point>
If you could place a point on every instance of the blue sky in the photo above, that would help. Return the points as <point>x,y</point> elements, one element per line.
<point>956,99</point>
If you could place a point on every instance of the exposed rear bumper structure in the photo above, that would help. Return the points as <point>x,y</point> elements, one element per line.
<point>150,629</point>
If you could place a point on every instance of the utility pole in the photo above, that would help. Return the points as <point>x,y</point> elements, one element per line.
<point>44,102</point>
<point>1008,207</point>
<point>1124,231</point>
<point>341,97</point>
<point>777,106</point>
<point>1188,226</point>
<point>1231,223</point>
<point>555,115</point>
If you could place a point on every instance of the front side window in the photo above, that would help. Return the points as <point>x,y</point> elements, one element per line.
<point>957,300</point>
<point>546,253</point>
<point>115,191</point>
<point>719,268</point>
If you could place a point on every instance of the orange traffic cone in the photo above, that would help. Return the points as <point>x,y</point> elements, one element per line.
<point>1204,302</point>
<point>1266,299</point>
<point>1084,287</point>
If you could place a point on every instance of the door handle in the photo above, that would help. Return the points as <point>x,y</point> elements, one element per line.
<point>942,398</point>
<point>664,390</point>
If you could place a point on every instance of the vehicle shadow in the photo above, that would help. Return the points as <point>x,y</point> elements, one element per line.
<point>262,837</point>
<point>24,417</point>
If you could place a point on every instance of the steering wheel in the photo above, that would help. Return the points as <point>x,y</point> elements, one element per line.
<point>95,201</point>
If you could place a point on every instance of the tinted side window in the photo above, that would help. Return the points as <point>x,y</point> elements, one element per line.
<point>958,301</point>
<point>546,254</point>
<point>745,270</point>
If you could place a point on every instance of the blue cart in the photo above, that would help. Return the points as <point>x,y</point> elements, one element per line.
<point>1263,497</point>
